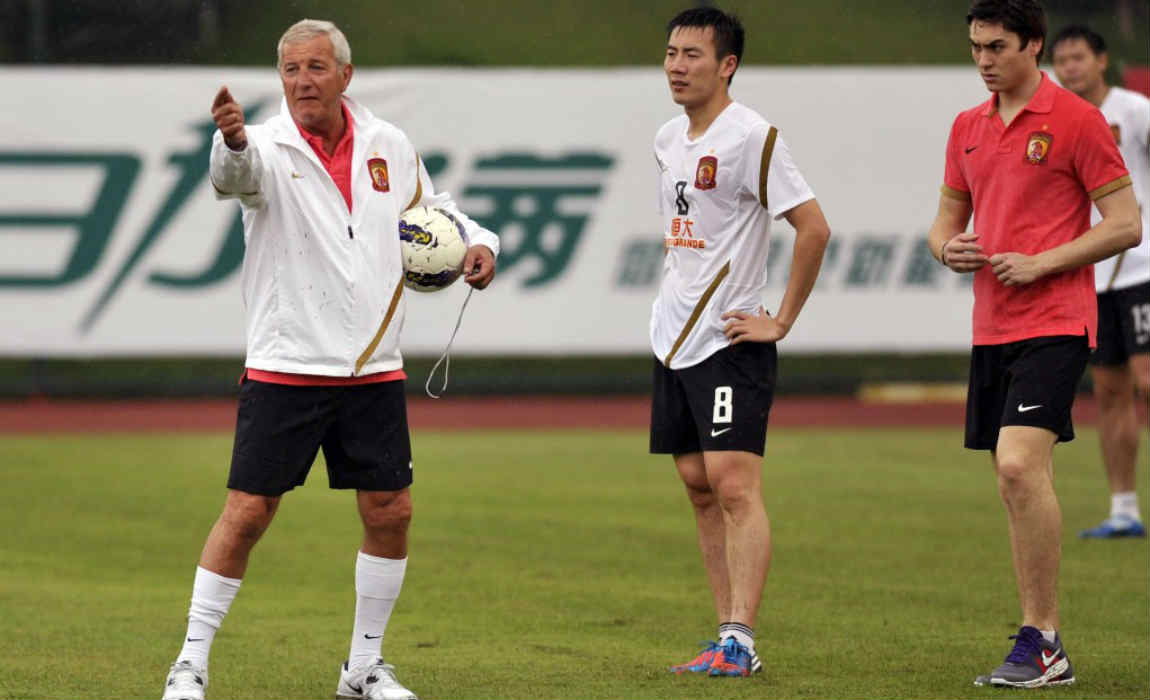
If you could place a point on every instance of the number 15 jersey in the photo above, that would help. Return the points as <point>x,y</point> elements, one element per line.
<point>717,197</point>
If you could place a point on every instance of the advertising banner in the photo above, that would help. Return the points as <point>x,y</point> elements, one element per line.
<point>114,244</point>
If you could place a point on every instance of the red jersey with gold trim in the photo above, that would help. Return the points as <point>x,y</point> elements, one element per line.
<point>1031,184</point>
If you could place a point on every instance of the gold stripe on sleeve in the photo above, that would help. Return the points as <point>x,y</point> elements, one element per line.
<point>1112,186</point>
<point>366,355</point>
<point>948,191</point>
<point>418,186</point>
<point>696,312</point>
<point>765,164</point>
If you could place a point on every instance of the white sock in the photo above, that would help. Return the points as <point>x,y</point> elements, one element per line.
<point>212,595</point>
<point>377,584</point>
<point>742,633</point>
<point>1049,635</point>
<point>1125,503</point>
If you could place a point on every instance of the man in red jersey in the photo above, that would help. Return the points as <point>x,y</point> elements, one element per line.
<point>1027,164</point>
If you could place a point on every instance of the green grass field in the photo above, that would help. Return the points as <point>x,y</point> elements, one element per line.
<point>555,565</point>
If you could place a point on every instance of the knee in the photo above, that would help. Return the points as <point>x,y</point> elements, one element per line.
<point>388,514</point>
<point>735,496</point>
<point>700,495</point>
<point>735,483</point>
<point>1142,380</point>
<point>248,515</point>
<point>735,501</point>
<point>1016,476</point>
<point>1109,393</point>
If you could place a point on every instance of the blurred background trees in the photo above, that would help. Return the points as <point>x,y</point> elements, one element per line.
<point>518,32</point>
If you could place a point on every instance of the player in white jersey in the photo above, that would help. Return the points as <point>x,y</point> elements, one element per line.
<point>724,174</point>
<point>1121,364</point>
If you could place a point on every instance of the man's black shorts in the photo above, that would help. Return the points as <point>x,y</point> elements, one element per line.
<point>1123,325</point>
<point>1031,382</point>
<point>280,428</point>
<point>719,404</point>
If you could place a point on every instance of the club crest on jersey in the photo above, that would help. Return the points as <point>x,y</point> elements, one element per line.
<point>1037,147</point>
<point>705,173</point>
<point>377,167</point>
<point>1116,130</point>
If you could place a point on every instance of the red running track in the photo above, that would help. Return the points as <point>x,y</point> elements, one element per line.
<point>53,416</point>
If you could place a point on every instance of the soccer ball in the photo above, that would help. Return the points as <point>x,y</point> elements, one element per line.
<point>433,244</point>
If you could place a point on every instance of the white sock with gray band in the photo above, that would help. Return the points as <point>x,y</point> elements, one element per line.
<point>1125,503</point>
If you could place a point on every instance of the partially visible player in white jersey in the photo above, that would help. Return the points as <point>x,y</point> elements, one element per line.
<point>1121,364</point>
<point>724,174</point>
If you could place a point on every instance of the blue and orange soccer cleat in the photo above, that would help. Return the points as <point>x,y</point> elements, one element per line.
<point>735,660</point>
<point>1032,663</point>
<point>1115,526</point>
<point>701,663</point>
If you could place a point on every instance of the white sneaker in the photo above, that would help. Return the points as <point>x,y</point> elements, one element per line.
<point>373,681</point>
<point>185,682</point>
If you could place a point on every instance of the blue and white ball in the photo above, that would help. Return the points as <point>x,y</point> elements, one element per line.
<point>433,244</point>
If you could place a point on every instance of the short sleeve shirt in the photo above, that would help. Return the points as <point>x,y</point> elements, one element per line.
<point>1031,185</point>
<point>717,196</point>
<point>1128,114</point>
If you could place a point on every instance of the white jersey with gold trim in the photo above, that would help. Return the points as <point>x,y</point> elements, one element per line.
<point>717,197</point>
<point>1128,114</point>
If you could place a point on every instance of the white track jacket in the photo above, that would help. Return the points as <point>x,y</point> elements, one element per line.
<point>323,287</point>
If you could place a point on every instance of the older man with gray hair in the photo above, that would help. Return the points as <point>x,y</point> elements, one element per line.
<point>321,186</point>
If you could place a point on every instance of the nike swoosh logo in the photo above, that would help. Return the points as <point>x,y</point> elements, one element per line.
<point>357,688</point>
<point>1023,408</point>
<point>297,176</point>
<point>1048,660</point>
<point>199,639</point>
<point>717,433</point>
<point>373,636</point>
<point>971,148</point>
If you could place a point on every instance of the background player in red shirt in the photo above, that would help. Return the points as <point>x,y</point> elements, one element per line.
<point>1027,164</point>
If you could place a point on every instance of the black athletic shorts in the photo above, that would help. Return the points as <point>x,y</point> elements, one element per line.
<point>1031,382</point>
<point>719,404</point>
<point>280,428</point>
<point>1123,325</point>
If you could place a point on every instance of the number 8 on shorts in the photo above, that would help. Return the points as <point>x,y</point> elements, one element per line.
<point>722,411</point>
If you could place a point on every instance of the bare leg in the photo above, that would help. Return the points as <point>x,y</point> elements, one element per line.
<point>1023,462</point>
<point>736,479</point>
<point>386,516</point>
<point>709,523</point>
<point>1117,423</point>
<point>245,518</point>
<point>1140,366</point>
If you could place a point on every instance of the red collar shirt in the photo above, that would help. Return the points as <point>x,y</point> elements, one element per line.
<point>338,164</point>
<point>1031,185</point>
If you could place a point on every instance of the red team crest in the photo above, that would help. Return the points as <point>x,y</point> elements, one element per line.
<point>378,169</point>
<point>1037,147</point>
<point>705,173</point>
